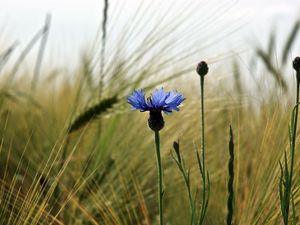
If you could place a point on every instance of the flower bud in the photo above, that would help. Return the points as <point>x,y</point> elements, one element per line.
<point>156,121</point>
<point>202,68</point>
<point>296,64</point>
<point>177,151</point>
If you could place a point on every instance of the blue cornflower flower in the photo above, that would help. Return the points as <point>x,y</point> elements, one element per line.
<point>157,102</point>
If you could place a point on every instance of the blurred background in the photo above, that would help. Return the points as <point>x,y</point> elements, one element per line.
<point>72,151</point>
<point>75,24</point>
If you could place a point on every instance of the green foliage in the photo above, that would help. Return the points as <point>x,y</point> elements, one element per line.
<point>286,177</point>
<point>186,177</point>
<point>103,173</point>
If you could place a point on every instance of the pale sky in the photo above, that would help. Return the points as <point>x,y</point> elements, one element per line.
<point>75,22</point>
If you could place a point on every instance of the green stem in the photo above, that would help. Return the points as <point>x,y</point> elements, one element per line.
<point>202,123</point>
<point>204,200</point>
<point>160,177</point>
<point>293,148</point>
<point>295,127</point>
<point>286,181</point>
<point>191,205</point>
<point>188,186</point>
<point>186,177</point>
<point>230,199</point>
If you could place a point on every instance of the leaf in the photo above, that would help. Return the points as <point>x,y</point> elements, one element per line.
<point>269,65</point>
<point>289,42</point>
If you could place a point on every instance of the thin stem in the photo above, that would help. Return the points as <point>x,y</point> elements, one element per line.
<point>202,123</point>
<point>293,146</point>
<point>192,205</point>
<point>230,199</point>
<point>295,127</point>
<point>188,186</point>
<point>186,177</point>
<point>160,177</point>
<point>202,167</point>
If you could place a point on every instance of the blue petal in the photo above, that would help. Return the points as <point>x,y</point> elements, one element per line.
<point>158,98</point>
<point>173,100</point>
<point>137,100</point>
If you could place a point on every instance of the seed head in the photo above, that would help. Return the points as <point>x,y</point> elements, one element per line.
<point>202,68</point>
<point>296,64</point>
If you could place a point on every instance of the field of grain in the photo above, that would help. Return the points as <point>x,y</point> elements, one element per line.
<point>73,152</point>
